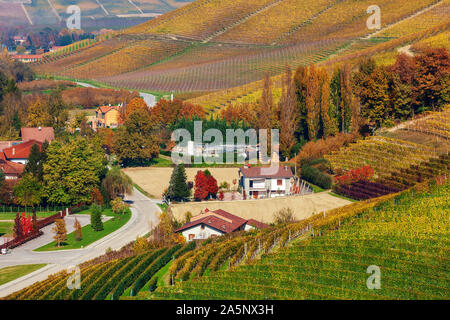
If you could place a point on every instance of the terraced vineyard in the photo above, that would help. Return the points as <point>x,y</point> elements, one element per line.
<point>428,19</point>
<point>432,123</point>
<point>405,235</point>
<point>383,154</point>
<point>106,279</point>
<point>212,45</point>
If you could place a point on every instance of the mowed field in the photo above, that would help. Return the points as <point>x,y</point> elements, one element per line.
<point>155,180</point>
<point>264,209</point>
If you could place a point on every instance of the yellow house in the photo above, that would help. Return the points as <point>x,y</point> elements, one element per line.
<point>107,117</point>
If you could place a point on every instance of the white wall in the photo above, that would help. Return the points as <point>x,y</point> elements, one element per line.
<point>274,186</point>
<point>22,161</point>
<point>200,233</point>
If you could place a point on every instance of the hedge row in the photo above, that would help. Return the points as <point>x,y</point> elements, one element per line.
<point>315,176</point>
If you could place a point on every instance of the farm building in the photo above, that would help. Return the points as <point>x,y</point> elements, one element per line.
<point>266,182</point>
<point>216,223</point>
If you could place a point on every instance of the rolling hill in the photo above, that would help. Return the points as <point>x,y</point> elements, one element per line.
<point>102,13</point>
<point>226,46</point>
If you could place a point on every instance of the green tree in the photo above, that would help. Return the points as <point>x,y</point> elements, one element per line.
<point>34,161</point>
<point>116,182</point>
<point>178,187</point>
<point>96,217</point>
<point>28,191</point>
<point>72,170</point>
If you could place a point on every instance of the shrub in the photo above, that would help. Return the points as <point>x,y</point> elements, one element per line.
<point>96,217</point>
<point>285,215</point>
<point>315,176</point>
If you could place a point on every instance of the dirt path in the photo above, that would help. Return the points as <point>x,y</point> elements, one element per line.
<point>263,209</point>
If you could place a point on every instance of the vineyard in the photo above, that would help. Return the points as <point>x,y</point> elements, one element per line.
<point>223,47</point>
<point>429,19</point>
<point>105,279</point>
<point>405,234</point>
<point>383,154</point>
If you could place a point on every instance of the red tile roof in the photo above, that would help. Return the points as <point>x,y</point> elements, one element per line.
<point>218,219</point>
<point>256,172</point>
<point>39,134</point>
<point>7,144</point>
<point>105,109</point>
<point>221,220</point>
<point>20,151</point>
<point>257,224</point>
<point>27,56</point>
<point>11,168</point>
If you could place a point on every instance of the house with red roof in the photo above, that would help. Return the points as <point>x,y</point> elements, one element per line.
<point>40,134</point>
<point>19,153</point>
<point>266,182</point>
<point>216,223</point>
<point>107,117</point>
<point>12,170</point>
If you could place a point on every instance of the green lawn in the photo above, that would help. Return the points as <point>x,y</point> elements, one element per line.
<point>89,235</point>
<point>6,227</point>
<point>10,273</point>
<point>12,215</point>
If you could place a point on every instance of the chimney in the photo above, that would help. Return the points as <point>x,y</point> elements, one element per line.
<point>40,128</point>
<point>14,151</point>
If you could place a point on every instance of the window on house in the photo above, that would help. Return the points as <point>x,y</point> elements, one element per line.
<point>191,236</point>
<point>251,184</point>
<point>279,182</point>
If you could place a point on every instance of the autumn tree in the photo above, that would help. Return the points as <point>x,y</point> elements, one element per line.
<point>78,231</point>
<point>312,102</point>
<point>431,79</point>
<point>96,197</point>
<point>211,184</point>
<point>60,231</point>
<point>288,114</point>
<point>136,142</point>
<point>266,105</point>
<point>372,86</point>
<point>17,229</point>
<point>201,191</point>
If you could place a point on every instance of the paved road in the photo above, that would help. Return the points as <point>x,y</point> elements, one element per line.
<point>149,99</point>
<point>144,214</point>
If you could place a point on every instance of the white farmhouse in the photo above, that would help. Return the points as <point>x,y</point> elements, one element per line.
<point>216,223</point>
<point>266,182</point>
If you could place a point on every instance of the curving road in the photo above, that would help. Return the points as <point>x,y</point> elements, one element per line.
<point>144,215</point>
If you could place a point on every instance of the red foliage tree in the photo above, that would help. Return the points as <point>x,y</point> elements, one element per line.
<point>361,173</point>
<point>201,186</point>
<point>213,188</point>
<point>221,195</point>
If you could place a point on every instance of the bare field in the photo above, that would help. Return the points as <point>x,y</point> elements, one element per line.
<point>155,180</point>
<point>263,210</point>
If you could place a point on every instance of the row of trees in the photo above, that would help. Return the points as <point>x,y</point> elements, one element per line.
<point>205,185</point>
<point>315,105</point>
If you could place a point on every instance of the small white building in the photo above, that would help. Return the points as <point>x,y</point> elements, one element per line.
<point>266,182</point>
<point>216,223</point>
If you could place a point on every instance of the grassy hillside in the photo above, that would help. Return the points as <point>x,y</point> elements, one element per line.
<point>406,237</point>
<point>325,256</point>
<point>226,47</point>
